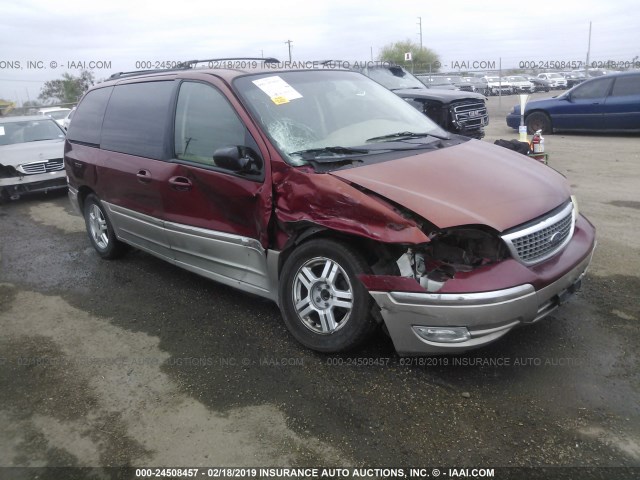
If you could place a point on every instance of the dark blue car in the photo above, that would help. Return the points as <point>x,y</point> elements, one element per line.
<point>608,103</point>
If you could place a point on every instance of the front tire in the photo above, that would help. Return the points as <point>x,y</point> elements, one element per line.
<point>538,121</point>
<point>324,305</point>
<point>100,231</point>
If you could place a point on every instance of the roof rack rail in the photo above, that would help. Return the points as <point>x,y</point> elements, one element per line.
<point>190,64</point>
<point>142,72</point>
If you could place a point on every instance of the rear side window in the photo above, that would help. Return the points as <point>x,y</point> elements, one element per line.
<point>626,86</point>
<point>205,121</point>
<point>89,116</point>
<point>594,89</point>
<point>137,118</point>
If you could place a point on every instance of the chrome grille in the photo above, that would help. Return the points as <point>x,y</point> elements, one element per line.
<point>33,168</point>
<point>538,242</point>
<point>470,113</point>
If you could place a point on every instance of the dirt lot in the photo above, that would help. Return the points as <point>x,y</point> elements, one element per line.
<point>135,362</point>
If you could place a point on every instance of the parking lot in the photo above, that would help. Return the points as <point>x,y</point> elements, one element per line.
<point>136,362</point>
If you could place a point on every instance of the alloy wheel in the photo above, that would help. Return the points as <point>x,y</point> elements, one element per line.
<point>322,295</point>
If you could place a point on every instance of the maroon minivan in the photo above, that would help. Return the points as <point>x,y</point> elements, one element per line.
<point>328,194</point>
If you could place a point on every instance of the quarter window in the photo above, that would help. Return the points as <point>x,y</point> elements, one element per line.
<point>89,116</point>
<point>136,119</point>
<point>205,121</point>
<point>628,85</point>
<point>592,90</point>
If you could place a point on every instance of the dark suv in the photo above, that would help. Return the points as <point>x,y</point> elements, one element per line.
<point>323,191</point>
<point>456,111</point>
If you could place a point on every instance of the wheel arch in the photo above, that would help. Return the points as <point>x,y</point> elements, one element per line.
<point>374,252</point>
<point>542,111</point>
<point>83,192</point>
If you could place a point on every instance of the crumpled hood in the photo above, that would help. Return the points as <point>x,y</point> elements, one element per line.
<point>19,153</point>
<point>466,184</point>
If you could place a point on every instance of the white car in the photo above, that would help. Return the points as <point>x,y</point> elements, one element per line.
<point>496,85</point>
<point>521,85</point>
<point>57,113</point>
<point>67,120</point>
<point>555,79</point>
<point>31,156</point>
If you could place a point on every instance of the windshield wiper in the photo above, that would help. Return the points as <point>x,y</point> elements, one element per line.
<point>314,153</point>
<point>333,161</point>
<point>404,136</point>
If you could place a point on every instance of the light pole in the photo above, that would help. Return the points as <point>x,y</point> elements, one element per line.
<point>586,70</point>
<point>289,42</point>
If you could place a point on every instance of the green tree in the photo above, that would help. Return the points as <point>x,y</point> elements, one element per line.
<point>423,57</point>
<point>68,89</point>
<point>6,106</point>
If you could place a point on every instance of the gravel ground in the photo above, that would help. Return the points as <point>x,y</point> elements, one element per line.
<point>137,363</point>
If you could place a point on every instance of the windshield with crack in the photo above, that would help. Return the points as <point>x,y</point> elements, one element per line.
<point>327,111</point>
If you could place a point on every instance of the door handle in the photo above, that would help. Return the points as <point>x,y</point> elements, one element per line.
<point>144,176</point>
<point>181,184</point>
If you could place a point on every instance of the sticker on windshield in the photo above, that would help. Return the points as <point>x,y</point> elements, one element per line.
<point>1,130</point>
<point>277,89</point>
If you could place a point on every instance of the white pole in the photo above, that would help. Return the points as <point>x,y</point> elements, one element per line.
<point>586,70</point>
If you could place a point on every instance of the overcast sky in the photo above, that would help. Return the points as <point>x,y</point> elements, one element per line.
<point>123,32</point>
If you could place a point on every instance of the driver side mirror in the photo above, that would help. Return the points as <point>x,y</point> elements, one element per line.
<point>238,159</point>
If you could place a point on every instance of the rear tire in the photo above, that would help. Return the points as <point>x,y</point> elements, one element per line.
<point>324,305</point>
<point>100,231</point>
<point>538,121</point>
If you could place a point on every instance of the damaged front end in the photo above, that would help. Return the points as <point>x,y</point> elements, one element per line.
<point>32,177</point>
<point>447,254</point>
<point>437,290</point>
<point>463,290</point>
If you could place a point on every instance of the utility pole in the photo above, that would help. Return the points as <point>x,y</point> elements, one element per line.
<point>420,25</point>
<point>586,69</point>
<point>289,42</point>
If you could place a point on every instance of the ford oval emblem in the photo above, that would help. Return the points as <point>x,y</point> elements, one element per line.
<point>554,239</point>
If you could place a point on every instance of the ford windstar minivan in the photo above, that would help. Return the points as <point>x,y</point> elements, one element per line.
<point>325,192</point>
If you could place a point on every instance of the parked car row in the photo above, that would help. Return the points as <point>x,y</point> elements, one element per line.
<point>507,85</point>
<point>488,85</point>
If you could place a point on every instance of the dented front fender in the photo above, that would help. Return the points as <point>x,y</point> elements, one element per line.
<point>301,195</point>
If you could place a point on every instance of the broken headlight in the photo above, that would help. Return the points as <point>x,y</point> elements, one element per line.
<point>450,252</point>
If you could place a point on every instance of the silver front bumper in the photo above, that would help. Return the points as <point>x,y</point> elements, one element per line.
<point>486,315</point>
<point>15,187</point>
<point>30,179</point>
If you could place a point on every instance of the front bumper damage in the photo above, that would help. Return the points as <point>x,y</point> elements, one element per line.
<point>14,187</point>
<point>454,321</point>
